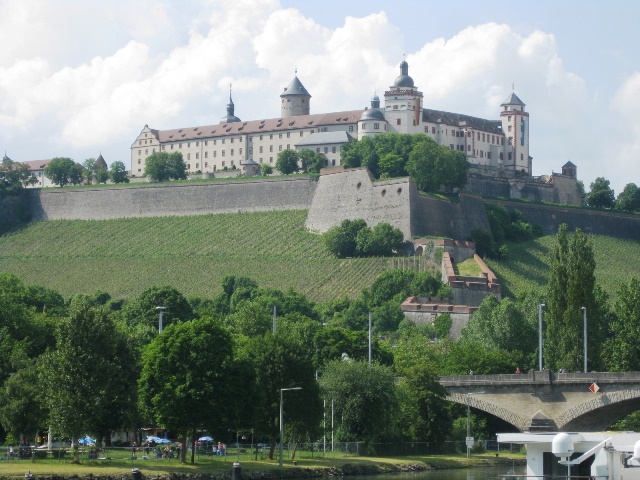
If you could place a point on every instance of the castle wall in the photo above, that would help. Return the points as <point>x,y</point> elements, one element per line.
<point>154,200</point>
<point>13,211</point>
<point>352,195</point>
<point>596,222</point>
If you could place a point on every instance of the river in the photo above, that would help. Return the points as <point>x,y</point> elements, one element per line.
<point>478,473</point>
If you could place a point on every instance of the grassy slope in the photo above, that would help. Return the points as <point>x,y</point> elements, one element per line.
<point>193,254</point>
<point>527,265</point>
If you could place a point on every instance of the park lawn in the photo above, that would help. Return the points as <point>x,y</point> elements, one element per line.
<point>468,268</point>
<point>209,465</point>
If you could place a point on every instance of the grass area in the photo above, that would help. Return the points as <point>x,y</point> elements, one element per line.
<point>468,268</point>
<point>527,264</point>
<point>209,465</point>
<point>192,253</point>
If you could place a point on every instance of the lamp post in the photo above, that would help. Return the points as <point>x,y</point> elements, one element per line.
<point>282,390</point>
<point>584,313</point>
<point>369,338</point>
<point>540,307</point>
<point>468,427</point>
<point>161,310</point>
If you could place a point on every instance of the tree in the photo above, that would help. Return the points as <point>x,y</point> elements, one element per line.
<point>287,162</point>
<point>118,173</point>
<point>364,399</point>
<point>163,166</point>
<point>629,199</point>
<point>266,169</point>
<point>311,162</point>
<point>89,170</point>
<point>572,285</point>
<point>143,309</point>
<point>89,375</point>
<point>622,351</point>
<point>422,165</point>
<point>424,410</point>
<point>63,171</point>
<point>601,195</point>
<point>14,177</point>
<point>101,174</point>
<point>187,380</point>
<point>381,240</point>
<point>392,165</point>
<point>341,241</point>
<point>281,361</point>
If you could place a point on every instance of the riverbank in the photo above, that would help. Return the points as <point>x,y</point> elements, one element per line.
<point>261,470</point>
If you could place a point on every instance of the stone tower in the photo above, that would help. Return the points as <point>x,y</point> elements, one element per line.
<point>230,116</point>
<point>515,125</point>
<point>403,103</point>
<point>295,99</point>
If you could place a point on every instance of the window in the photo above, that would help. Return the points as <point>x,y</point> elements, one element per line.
<point>206,154</point>
<point>318,150</point>
<point>215,142</point>
<point>508,117</point>
<point>288,146</point>
<point>376,126</point>
<point>197,145</point>
<point>351,128</point>
<point>206,142</point>
<point>214,154</point>
<point>188,144</point>
<point>302,133</point>
<point>139,162</point>
<point>206,164</point>
<point>451,146</point>
<point>478,136</point>
<point>279,148</point>
<point>163,147</point>
<point>509,128</point>
<point>481,154</point>
<point>146,151</point>
<point>179,145</point>
<point>509,156</point>
<point>468,148</point>
<point>260,137</point>
<point>271,136</point>
<point>188,166</point>
<point>489,155</point>
<point>522,156</point>
<point>270,159</point>
<point>172,146</point>
<point>288,134</point>
<point>398,121</point>
<point>510,140</point>
<point>483,137</point>
<point>231,152</point>
<point>426,129</point>
<point>251,139</point>
<point>197,155</point>
<point>333,149</point>
<point>364,126</point>
<point>188,156</point>
<point>223,153</point>
<point>139,152</point>
<point>395,107</point>
<point>223,163</point>
<point>140,142</point>
<point>501,156</point>
<point>271,148</point>
<point>232,140</point>
<point>326,149</point>
<point>250,150</point>
<point>260,159</point>
<point>260,148</point>
<point>197,166</point>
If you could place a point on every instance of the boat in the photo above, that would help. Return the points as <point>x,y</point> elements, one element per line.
<point>578,455</point>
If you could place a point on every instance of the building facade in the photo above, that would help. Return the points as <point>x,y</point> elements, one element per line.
<point>502,144</point>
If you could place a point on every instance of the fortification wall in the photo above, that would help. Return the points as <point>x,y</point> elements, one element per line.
<point>153,200</point>
<point>352,195</point>
<point>550,217</point>
<point>13,211</point>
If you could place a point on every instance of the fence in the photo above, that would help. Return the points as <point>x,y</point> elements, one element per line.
<point>256,451</point>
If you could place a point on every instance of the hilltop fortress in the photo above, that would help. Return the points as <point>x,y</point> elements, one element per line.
<point>497,150</point>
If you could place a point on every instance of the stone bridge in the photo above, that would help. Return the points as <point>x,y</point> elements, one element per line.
<point>546,401</point>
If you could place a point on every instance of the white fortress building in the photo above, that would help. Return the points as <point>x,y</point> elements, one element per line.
<point>232,143</point>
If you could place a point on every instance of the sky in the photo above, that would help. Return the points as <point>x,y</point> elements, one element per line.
<point>79,78</point>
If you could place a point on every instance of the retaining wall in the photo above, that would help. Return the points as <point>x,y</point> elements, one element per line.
<point>152,200</point>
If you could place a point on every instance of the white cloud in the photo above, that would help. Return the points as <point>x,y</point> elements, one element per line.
<point>624,155</point>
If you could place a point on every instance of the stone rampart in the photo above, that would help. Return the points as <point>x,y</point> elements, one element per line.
<point>153,200</point>
<point>13,212</point>
<point>352,195</point>
<point>596,222</point>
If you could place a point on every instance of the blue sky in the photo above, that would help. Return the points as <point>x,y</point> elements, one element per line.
<point>82,78</point>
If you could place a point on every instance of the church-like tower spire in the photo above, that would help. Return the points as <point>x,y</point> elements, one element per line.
<point>230,117</point>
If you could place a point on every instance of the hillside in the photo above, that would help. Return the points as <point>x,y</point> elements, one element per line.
<point>192,253</point>
<point>527,265</point>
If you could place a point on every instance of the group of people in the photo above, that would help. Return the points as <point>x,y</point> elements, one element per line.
<point>221,451</point>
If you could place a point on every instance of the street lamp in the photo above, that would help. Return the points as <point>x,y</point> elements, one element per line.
<point>161,310</point>
<point>540,307</point>
<point>281,429</point>
<point>369,338</point>
<point>584,312</point>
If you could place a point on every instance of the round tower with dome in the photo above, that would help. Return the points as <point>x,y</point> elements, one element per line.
<point>372,120</point>
<point>403,103</point>
<point>295,100</point>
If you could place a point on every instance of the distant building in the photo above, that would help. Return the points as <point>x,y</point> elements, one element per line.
<point>502,144</point>
<point>37,170</point>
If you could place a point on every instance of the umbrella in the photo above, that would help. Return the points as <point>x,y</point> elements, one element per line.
<point>205,439</point>
<point>87,441</point>
<point>163,440</point>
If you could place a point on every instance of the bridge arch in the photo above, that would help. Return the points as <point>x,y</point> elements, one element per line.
<point>600,412</point>
<point>518,421</point>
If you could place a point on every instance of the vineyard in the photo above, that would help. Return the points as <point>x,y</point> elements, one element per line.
<point>193,254</point>
<point>527,265</point>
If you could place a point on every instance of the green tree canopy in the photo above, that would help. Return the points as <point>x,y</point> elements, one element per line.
<point>287,162</point>
<point>266,169</point>
<point>63,171</point>
<point>622,349</point>
<point>431,166</point>
<point>363,397</point>
<point>601,195</point>
<point>118,173</point>
<point>311,162</point>
<point>163,166</point>
<point>572,285</point>
<point>14,177</point>
<point>189,379</point>
<point>629,199</point>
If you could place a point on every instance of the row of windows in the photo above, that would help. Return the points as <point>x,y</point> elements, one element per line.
<point>326,149</point>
